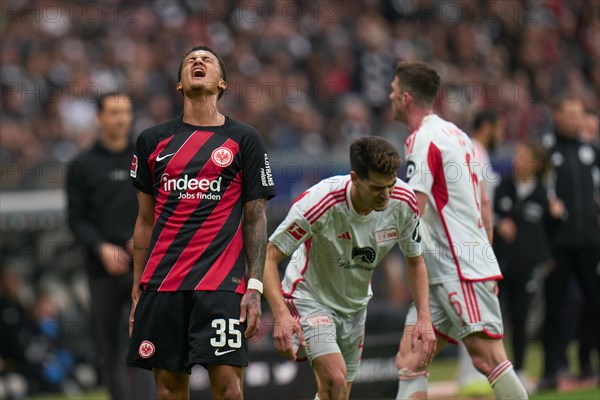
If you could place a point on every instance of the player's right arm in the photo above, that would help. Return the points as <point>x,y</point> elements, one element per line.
<point>141,241</point>
<point>284,325</point>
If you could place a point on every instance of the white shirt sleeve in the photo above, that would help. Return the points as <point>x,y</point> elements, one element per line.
<point>410,235</point>
<point>295,228</point>
<point>418,173</point>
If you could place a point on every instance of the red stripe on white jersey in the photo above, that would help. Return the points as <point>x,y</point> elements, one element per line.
<point>407,201</point>
<point>474,298</point>
<point>466,295</point>
<point>439,190</point>
<point>323,210</point>
<point>408,193</point>
<point>307,245</point>
<point>315,209</point>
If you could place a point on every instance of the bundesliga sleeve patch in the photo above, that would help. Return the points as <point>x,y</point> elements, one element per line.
<point>134,165</point>
<point>296,231</point>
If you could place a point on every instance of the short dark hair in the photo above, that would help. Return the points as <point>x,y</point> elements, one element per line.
<point>373,153</point>
<point>219,59</point>
<point>541,156</point>
<point>420,79</point>
<point>102,98</point>
<point>485,116</point>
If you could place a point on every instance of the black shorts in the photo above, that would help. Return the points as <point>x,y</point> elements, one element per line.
<point>176,330</point>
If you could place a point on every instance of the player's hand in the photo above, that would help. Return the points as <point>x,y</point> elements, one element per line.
<point>115,259</point>
<point>250,308</point>
<point>129,247</point>
<point>556,208</point>
<point>423,330</point>
<point>135,297</point>
<point>283,330</point>
<point>507,230</point>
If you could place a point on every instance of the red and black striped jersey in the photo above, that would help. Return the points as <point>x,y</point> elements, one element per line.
<point>200,178</point>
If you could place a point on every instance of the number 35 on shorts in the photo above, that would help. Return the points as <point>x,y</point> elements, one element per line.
<point>226,333</point>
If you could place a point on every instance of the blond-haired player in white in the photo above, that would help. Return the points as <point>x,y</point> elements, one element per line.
<point>457,236</point>
<point>338,231</point>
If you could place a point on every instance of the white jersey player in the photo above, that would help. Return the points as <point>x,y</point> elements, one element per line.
<point>337,233</point>
<point>457,232</point>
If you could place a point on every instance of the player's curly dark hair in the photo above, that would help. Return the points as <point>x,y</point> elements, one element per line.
<point>373,153</point>
<point>419,79</point>
<point>219,59</point>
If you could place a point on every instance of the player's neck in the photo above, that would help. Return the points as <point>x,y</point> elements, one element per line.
<point>357,203</point>
<point>415,118</point>
<point>202,111</point>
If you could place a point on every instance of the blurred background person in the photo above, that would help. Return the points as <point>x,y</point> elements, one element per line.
<point>575,238</point>
<point>102,209</point>
<point>521,243</point>
<point>488,132</point>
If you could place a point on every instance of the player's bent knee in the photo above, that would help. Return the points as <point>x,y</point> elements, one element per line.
<point>333,384</point>
<point>166,393</point>
<point>232,392</point>
<point>481,364</point>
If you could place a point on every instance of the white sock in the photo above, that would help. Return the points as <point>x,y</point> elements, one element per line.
<point>506,384</point>
<point>410,383</point>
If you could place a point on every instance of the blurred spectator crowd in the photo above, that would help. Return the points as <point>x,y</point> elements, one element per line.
<point>310,75</point>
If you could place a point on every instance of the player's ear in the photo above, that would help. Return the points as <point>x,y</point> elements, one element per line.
<point>354,177</point>
<point>406,97</point>
<point>179,86</point>
<point>222,85</point>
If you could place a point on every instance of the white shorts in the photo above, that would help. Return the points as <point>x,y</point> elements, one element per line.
<point>326,332</point>
<point>461,308</point>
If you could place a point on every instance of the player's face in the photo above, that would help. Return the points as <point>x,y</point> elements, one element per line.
<point>397,101</point>
<point>569,117</point>
<point>524,162</point>
<point>116,116</point>
<point>201,72</point>
<point>375,191</point>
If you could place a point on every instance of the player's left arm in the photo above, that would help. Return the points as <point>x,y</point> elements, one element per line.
<point>254,231</point>
<point>486,212</point>
<point>418,283</point>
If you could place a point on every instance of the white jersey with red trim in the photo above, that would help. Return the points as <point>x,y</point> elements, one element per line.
<point>441,164</point>
<point>335,250</point>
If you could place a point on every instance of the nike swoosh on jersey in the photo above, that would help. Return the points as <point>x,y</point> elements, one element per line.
<point>162,157</point>
<point>219,353</point>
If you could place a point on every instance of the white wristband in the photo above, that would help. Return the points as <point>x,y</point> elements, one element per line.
<point>255,284</point>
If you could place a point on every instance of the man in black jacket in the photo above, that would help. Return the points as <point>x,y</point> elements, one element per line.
<point>102,209</point>
<point>575,239</point>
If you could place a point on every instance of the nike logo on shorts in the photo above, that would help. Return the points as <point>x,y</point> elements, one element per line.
<point>220,353</point>
<point>162,157</point>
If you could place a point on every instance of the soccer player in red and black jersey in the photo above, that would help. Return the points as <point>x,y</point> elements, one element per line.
<point>203,180</point>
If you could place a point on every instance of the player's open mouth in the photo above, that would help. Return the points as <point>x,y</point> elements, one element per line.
<point>198,73</point>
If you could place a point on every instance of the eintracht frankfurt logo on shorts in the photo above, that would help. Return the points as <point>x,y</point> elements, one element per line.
<point>222,156</point>
<point>146,349</point>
